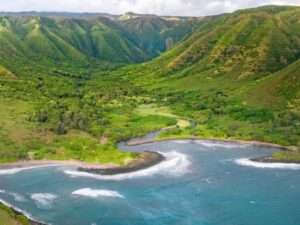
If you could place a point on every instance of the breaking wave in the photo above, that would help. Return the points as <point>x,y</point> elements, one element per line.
<point>93,193</point>
<point>182,141</point>
<point>17,197</point>
<point>176,164</point>
<point>18,170</point>
<point>212,144</point>
<point>43,200</point>
<point>250,163</point>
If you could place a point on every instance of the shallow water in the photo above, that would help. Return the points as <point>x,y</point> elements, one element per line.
<point>200,183</point>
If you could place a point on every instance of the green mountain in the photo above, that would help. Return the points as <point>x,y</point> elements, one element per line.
<point>85,39</point>
<point>157,34</point>
<point>247,46</point>
<point>249,43</point>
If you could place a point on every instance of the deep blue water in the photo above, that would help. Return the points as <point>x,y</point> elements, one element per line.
<point>199,184</point>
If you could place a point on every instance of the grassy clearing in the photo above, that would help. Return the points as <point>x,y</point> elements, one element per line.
<point>153,109</point>
<point>13,118</point>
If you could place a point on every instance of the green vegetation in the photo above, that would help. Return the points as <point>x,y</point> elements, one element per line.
<point>287,156</point>
<point>67,91</point>
<point>9,217</point>
<point>64,94</point>
<point>69,41</point>
<point>236,77</point>
<point>65,117</point>
<point>164,111</point>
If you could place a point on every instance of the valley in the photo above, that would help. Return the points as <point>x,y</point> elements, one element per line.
<point>73,86</point>
<point>78,105</point>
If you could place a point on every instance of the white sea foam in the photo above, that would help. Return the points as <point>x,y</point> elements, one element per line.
<point>176,164</point>
<point>43,200</point>
<point>208,180</point>
<point>17,197</point>
<point>18,170</point>
<point>94,193</point>
<point>212,144</point>
<point>182,141</point>
<point>250,163</point>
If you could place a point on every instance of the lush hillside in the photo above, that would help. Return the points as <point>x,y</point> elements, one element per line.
<point>157,34</point>
<point>245,44</point>
<point>83,40</point>
<point>237,76</point>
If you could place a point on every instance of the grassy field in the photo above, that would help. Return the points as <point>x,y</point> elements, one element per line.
<point>154,110</point>
<point>8,217</point>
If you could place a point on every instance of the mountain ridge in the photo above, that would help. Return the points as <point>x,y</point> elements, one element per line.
<point>82,40</point>
<point>89,14</point>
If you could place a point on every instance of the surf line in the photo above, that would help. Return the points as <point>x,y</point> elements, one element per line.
<point>19,211</point>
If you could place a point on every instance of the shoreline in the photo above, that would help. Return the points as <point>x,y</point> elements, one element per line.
<point>19,212</point>
<point>266,159</point>
<point>213,140</point>
<point>146,160</point>
<point>49,163</point>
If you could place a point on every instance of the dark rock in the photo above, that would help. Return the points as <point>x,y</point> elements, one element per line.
<point>146,160</point>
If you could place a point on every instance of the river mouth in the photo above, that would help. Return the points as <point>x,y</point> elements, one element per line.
<point>198,183</point>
